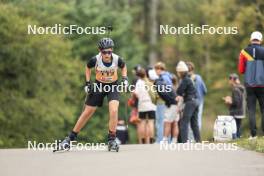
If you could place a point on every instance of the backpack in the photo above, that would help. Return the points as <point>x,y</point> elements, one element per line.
<point>168,96</point>
<point>225,128</point>
<point>152,93</point>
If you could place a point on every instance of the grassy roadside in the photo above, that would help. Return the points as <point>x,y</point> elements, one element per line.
<point>255,144</point>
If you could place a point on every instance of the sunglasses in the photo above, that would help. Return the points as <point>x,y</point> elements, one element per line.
<point>106,52</point>
<point>232,78</point>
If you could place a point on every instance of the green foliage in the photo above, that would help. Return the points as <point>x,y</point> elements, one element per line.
<point>38,82</point>
<point>255,144</point>
<point>92,14</point>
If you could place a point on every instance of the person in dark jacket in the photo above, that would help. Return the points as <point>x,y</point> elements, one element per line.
<point>236,101</point>
<point>171,115</point>
<point>251,64</point>
<point>165,91</point>
<point>187,92</point>
<point>160,69</point>
<point>201,90</point>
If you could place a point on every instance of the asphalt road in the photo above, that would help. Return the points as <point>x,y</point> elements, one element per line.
<point>134,160</point>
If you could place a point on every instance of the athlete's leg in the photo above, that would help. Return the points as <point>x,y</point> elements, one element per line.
<point>113,120</point>
<point>84,117</point>
<point>113,115</point>
<point>93,100</point>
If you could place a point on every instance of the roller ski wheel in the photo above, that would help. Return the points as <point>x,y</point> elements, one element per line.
<point>63,146</point>
<point>113,146</point>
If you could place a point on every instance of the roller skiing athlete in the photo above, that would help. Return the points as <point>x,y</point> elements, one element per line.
<point>106,65</point>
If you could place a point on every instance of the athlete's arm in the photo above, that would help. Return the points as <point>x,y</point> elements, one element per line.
<point>91,63</point>
<point>88,74</point>
<point>122,65</point>
<point>124,71</point>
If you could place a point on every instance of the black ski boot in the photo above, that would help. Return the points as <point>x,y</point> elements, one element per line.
<point>65,145</point>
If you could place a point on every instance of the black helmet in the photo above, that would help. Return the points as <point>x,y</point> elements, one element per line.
<point>105,43</point>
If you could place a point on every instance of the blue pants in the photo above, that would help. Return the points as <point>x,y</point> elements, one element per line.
<point>159,122</point>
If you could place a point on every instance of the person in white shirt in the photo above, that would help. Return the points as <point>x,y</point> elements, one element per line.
<point>146,109</point>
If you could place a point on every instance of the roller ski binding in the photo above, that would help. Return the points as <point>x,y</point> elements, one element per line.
<point>65,145</point>
<point>113,145</point>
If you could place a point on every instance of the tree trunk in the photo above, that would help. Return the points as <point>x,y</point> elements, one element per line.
<point>153,32</point>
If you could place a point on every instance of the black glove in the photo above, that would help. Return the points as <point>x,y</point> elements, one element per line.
<point>88,87</point>
<point>124,81</point>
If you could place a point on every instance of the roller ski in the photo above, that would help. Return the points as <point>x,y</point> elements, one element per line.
<point>65,145</point>
<point>112,143</point>
<point>113,146</point>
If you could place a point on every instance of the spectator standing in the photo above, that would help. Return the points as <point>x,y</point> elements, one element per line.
<point>187,92</point>
<point>201,90</point>
<point>251,64</point>
<point>146,109</point>
<point>236,101</point>
<point>160,69</point>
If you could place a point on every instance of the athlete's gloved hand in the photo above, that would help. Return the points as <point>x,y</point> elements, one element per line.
<point>88,87</point>
<point>124,81</point>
